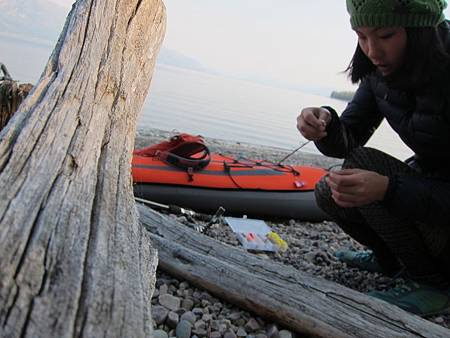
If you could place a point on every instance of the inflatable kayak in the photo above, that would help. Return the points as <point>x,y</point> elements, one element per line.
<point>204,182</point>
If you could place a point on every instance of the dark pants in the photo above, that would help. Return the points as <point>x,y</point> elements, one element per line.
<point>421,248</point>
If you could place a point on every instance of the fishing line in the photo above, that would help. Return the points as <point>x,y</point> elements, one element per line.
<point>293,152</point>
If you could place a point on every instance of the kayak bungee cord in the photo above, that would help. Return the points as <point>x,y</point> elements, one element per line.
<point>227,169</point>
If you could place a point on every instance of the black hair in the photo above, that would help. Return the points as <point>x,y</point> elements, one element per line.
<point>426,60</point>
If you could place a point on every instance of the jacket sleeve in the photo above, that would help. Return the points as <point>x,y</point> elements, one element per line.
<point>355,126</point>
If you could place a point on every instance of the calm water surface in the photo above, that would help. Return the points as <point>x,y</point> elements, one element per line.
<point>236,110</point>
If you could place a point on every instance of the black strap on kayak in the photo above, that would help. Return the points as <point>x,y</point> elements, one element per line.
<point>184,151</point>
<point>188,161</point>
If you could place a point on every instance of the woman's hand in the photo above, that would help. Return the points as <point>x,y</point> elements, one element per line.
<point>356,187</point>
<point>312,122</point>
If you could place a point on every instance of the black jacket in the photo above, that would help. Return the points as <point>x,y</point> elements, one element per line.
<point>422,120</point>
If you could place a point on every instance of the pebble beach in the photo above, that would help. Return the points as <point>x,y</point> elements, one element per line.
<point>182,310</point>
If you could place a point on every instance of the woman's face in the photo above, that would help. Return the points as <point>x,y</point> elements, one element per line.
<point>384,46</point>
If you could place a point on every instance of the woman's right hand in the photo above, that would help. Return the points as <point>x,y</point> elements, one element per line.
<point>312,123</point>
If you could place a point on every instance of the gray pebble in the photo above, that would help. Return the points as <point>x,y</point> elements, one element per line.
<point>252,325</point>
<point>160,334</point>
<point>241,332</point>
<point>159,314</point>
<point>207,317</point>
<point>234,316</point>
<point>223,328</point>
<point>184,329</point>
<point>189,316</point>
<point>229,334</point>
<point>272,331</point>
<point>200,325</point>
<point>438,320</point>
<point>163,289</point>
<point>198,311</point>
<point>215,325</point>
<point>170,302</point>
<point>187,304</point>
<point>172,319</point>
<point>200,332</point>
<point>205,296</point>
<point>285,334</point>
<point>188,293</point>
<point>183,285</point>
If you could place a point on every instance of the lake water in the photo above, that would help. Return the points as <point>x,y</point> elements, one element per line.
<point>209,105</point>
<point>214,106</point>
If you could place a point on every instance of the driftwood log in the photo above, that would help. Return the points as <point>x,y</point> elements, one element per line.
<point>306,304</point>
<point>74,261</point>
<point>11,95</point>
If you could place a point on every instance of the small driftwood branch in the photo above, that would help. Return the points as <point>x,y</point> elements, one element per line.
<point>6,75</point>
<point>12,95</point>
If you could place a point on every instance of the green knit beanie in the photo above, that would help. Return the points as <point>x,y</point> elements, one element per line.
<point>390,13</point>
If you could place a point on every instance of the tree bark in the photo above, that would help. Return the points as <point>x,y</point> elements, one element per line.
<point>74,260</point>
<point>277,292</point>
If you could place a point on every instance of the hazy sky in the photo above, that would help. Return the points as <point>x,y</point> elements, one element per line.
<point>304,42</point>
<point>301,42</point>
<point>65,3</point>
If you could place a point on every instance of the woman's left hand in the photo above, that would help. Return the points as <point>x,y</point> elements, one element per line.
<point>356,187</point>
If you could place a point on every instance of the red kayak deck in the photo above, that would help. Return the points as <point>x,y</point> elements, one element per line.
<point>227,173</point>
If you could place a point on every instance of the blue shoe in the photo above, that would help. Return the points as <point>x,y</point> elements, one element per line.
<point>420,299</point>
<point>363,260</point>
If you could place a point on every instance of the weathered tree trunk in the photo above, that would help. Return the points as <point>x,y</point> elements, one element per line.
<point>73,259</point>
<point>306,304</point>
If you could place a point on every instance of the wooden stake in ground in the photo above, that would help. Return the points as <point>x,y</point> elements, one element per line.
<point>74,261</point>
